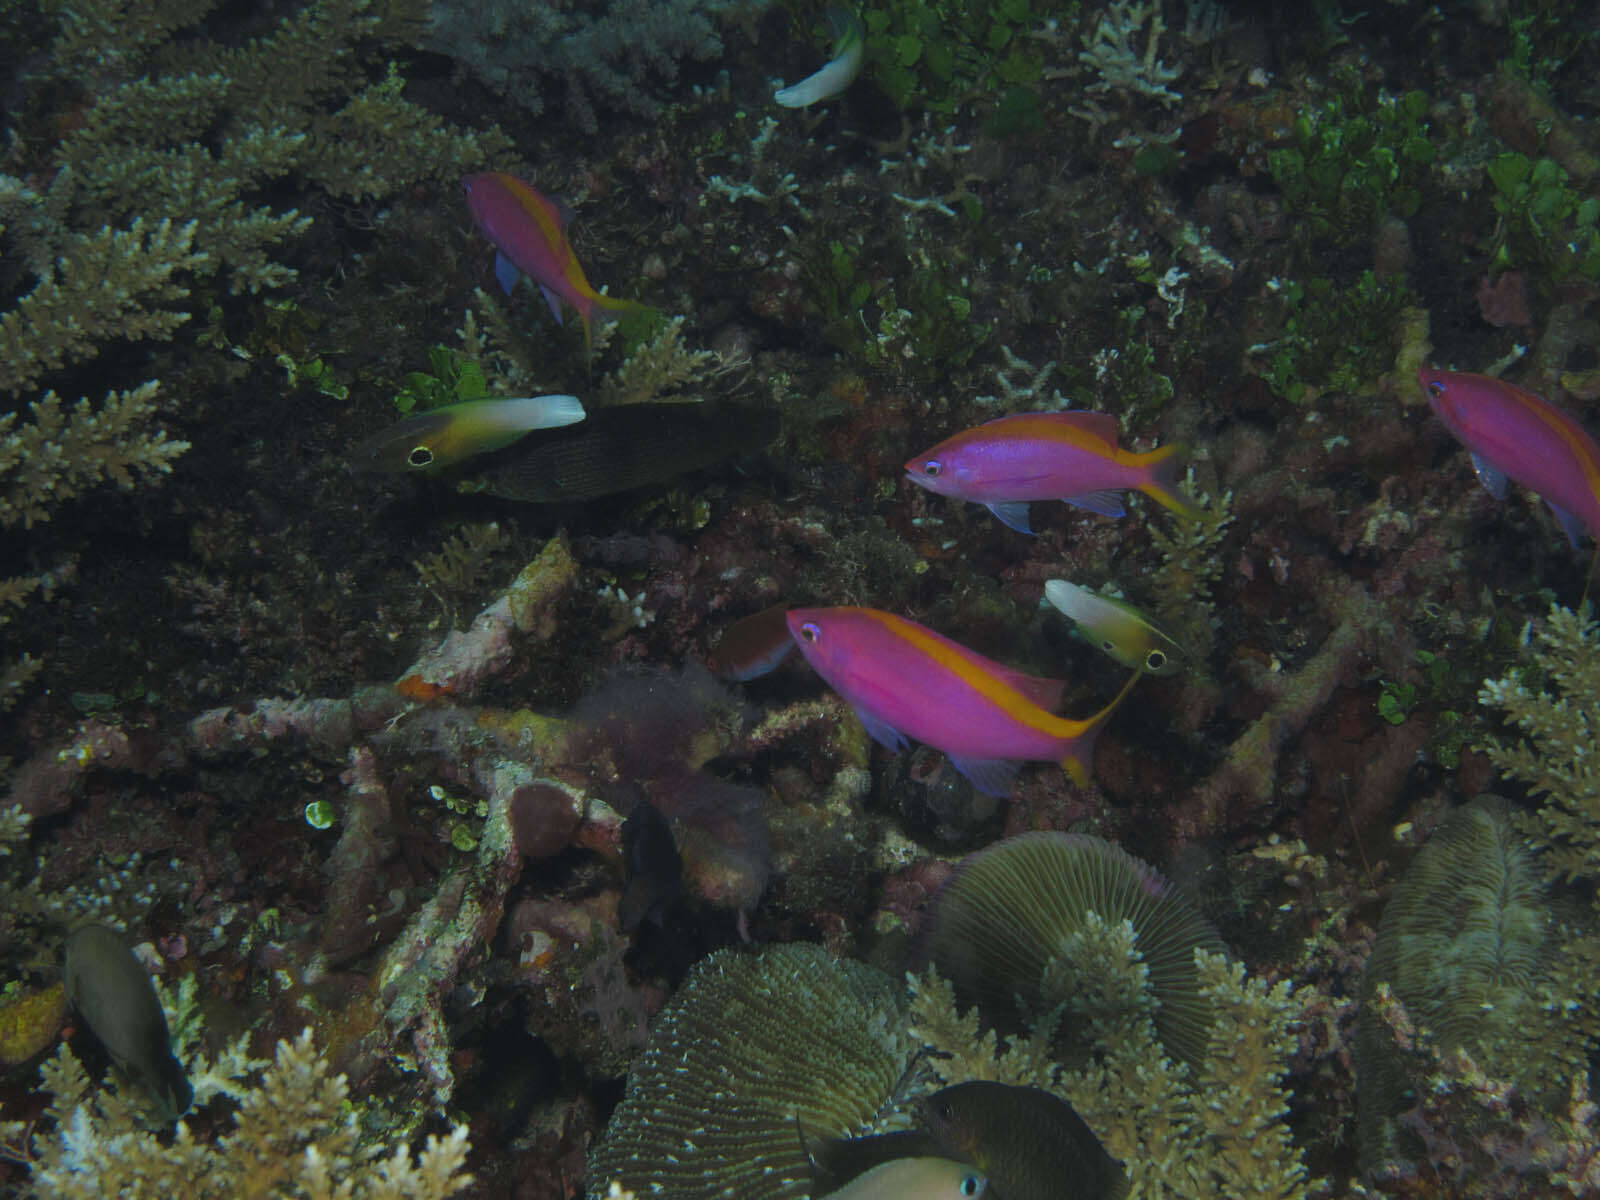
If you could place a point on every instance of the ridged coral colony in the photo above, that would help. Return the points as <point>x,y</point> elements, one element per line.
<point>1001,928</point>
<point>757,1052</point>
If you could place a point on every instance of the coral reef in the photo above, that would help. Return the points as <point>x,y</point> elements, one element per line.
<point>757,1052</point>
<point>355,751</point>
<point>294,1133</point>
<point>1001,927</point>
<point>1487,968</point>
<point>1212,1129</point>
<point>606,56</point>
<point>1558,723</point>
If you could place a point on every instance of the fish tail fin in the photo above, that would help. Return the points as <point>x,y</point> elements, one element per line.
<point>606,309</point>
<point>1080,755</point>
<point>1165,482</point>
<point>614,308</point>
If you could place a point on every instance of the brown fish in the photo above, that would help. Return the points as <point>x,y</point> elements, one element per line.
<point>753,647</point>
<point>1030,1145</point>
<point>109,988</point>
<point>623,447</point>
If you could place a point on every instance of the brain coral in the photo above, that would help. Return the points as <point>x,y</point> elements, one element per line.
<point>752,1048</point>
<point>999,927</point>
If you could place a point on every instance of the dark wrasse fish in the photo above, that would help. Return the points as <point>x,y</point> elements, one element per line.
<point>1028,1143</point>
<point>1031,1144</point>
<point>109,988</point>
<point>653,866</point>
<point>625,447</point>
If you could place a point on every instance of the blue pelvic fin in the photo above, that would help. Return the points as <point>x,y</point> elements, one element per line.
<point>1013,513</point>
<point>882,732</point>
<point>506,272</point>
<point>1492,477</point>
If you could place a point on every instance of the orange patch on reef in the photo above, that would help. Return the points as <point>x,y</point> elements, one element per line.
<point>415,687</point>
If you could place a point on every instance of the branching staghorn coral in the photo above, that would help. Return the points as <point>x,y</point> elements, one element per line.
<point>603,54</point>
<point>154,186</point>
<point>1555,756</point>
<point>1122,68</point>
<point>63,451</point>
<point>295,1134</point>
<point>1212,1133</point>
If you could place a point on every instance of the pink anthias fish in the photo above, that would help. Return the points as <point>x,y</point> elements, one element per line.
<point>1513,434</point>
<point>528,230</point>
<point>1071,456</point>
<point>904,680</point>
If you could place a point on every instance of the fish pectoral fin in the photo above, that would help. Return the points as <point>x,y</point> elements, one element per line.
<point>1106,503</point>
<point>883,733</point>
<point>505,271</point>
<point>991,776</point>
<point>1013,513</point>
<point>1491,476</point>
<point>553,300</point>
<point>1570,523</point>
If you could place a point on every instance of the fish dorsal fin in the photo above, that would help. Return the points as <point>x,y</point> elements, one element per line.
<point>1101,425</point>
<point>1046,693</point>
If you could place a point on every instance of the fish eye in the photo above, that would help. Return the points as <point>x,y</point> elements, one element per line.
<point>971,1185</point>
<point>1435,388</point>
<point>420,456</point>
<point>810,632</point>
<point>1155,660</point>
<point>932,467</point>
<point>1108,645</point>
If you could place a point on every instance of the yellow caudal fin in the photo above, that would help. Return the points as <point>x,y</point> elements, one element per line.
<point>1163,484</point>
<point>1080,755</point>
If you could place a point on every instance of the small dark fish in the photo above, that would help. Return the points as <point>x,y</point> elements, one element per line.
<point>1030,1144</point>
<point>623,447</point>
<point>109,988</point>
<point>654,869</point>
<point>753,647</point>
